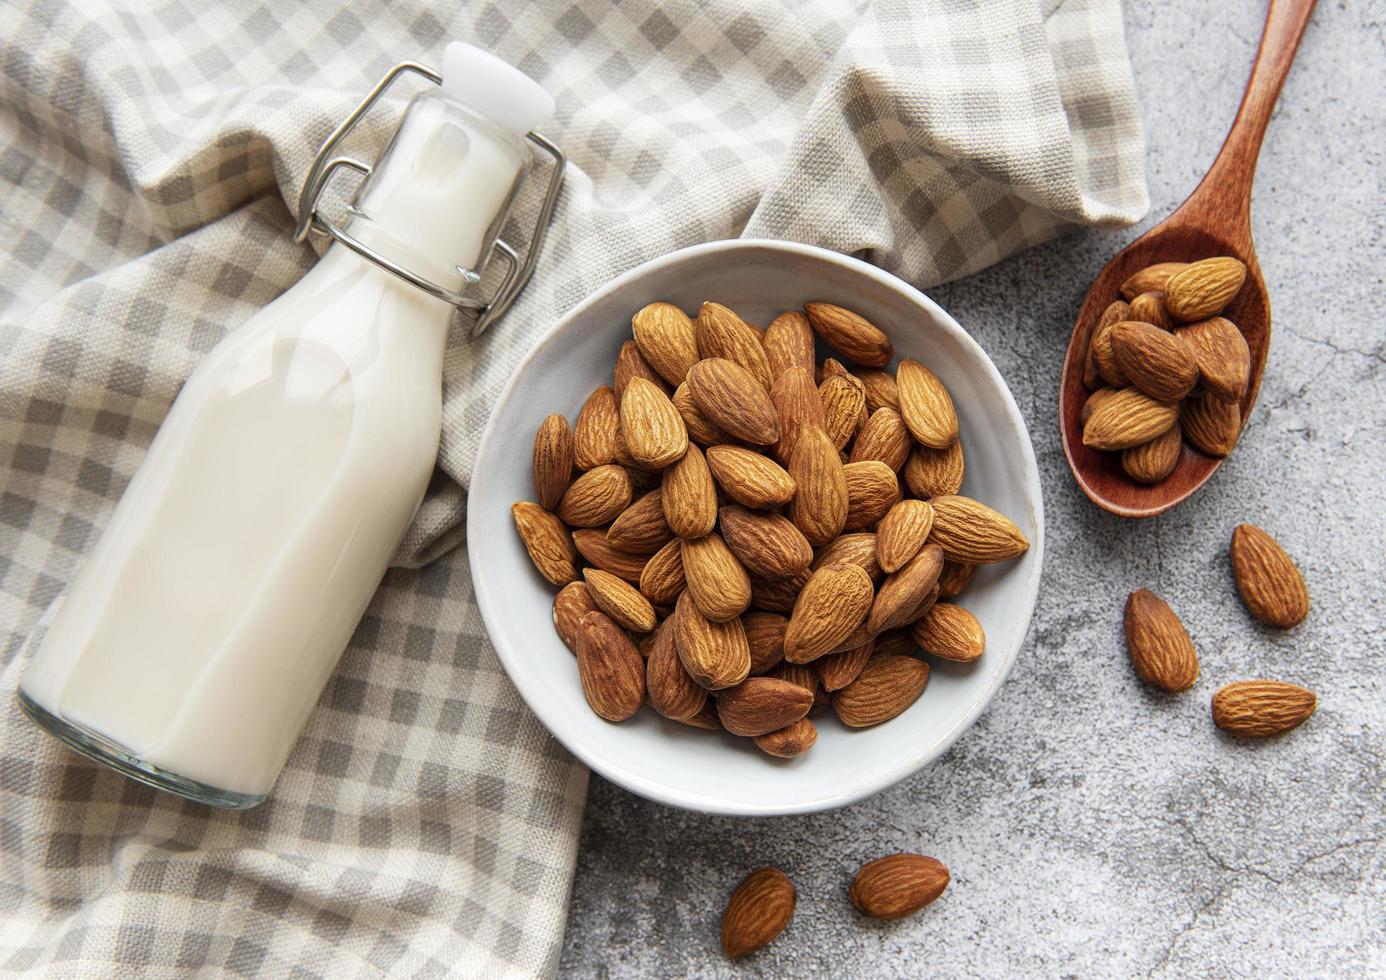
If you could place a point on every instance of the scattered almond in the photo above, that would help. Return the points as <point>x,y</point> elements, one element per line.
<point>1267,578</point>
<point>1159,646</point>
<point>757,912</point>
<point>898,885</point>
<point>1259,709</point>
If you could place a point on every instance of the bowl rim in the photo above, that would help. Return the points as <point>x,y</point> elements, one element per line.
<point>491,611</point>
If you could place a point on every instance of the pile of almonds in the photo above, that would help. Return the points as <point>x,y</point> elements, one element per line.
<point>1161,362</point>
<point>761,533</point>
<point>888,888</point>
<point>1274,593</point>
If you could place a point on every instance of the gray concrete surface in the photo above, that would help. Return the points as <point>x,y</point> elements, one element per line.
<point>1092,828</point>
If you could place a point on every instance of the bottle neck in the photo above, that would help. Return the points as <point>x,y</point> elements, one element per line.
<point>436,200</point>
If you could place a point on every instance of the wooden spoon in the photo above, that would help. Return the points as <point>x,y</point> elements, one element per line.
<point>1214,220</point>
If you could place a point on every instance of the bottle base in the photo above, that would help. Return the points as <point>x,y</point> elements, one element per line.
<point>137,769</point>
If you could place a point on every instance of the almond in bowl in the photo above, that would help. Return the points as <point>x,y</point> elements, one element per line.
<point>645,484</point>
<point>737,555</point>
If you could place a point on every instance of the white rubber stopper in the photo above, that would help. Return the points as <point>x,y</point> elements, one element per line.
<point>495,87</point>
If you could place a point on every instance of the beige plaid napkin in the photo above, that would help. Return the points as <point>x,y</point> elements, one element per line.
<point>425,823</point>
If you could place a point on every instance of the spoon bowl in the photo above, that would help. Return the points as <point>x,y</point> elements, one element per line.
<point>1214,220</point>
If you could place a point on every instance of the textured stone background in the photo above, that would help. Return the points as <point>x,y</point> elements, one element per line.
<point>1091,827</point>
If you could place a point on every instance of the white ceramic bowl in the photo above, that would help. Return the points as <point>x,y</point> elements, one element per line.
<point>717,773</point>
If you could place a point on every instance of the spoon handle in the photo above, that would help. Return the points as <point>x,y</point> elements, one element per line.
<point>1223,197</point>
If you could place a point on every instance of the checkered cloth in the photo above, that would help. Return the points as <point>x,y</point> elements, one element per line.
<point>151,152</point>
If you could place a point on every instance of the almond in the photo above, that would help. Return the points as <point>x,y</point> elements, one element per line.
<point>880,390</point>
<point>553,460</point>
<point>896,643</point>
<point>689,496</point>
<point>797,404</point>
<point>665,336</point>
<point>801,674</point>
<point>1267,578</point>
<point>1157,362</point>
<point>833,603</point>
<point>652,427</point>
<point>594,436</point>
<point>923,609</point>
<point>1204,288</point>
<point>596,497</point>
<point>1152,461</point>
<point>884,438</point>
<point>837,670</point>
<point>610,668</point>
<point>902,532</point>
<point>789,742</point>
<point>765,637</point>
<point>641,527</point>
<point>1224,360</point>
<point>950,632</point>
<point>1258,709</point>
<point>819,507</point>
<point>620,600</point>
<point>844,401</point>
<point>1158,644</point>
<point>777,595</point>
<point>1127,419</point>
<point>1153,278</point>
<point>886,686</point>
<point>851,549</point>
<point>1150,308</point>
<point>955,577</point>
<point>851,334</point>
<point>925,405</point>
<point>1092,401</point>
<point>714,654</point>
<point>760,705</point>
<point>723,334</point>
<point>898,885</point>
<point>872,489</point>
<point>767,544</point>
<point>548,542</point>
<point>700,430</point>
<point>749,478</point>
<point>1114,313</point>
<point>1105,359</point>
<point>672,692</point>
<point>716,580</point>
<point>903,592</point>
<point>598,551</point>
<point>788,343</point>
<point>661,580</point>
<point>935,472</point>
<point>968,530</point>
<point>730,398</point>
<point>569,606</point>
<point>629,365</point>
<point>705,720</point>
<point>1210,424</point>
<point>757,911</point>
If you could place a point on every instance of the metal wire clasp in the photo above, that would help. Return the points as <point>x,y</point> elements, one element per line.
<point>325,166</point>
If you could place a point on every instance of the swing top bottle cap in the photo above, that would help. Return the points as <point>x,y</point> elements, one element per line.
<point>495,87</point>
